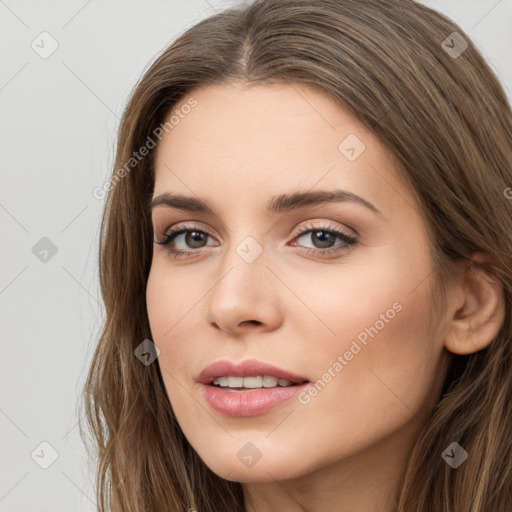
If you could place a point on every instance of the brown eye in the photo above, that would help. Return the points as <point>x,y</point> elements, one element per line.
<point>189,239</point>
<point>323,240</point>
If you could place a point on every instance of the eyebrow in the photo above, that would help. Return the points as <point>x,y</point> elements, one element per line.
<point>278,204</point>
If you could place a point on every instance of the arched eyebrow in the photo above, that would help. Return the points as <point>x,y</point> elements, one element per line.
<point>277,204</point>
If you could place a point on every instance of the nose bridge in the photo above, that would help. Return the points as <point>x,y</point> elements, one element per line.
<point>245,249</point>
<point>243,266</point>
<point>243,291</point>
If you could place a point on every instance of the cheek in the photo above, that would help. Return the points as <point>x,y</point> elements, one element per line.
<point>171,298</point>
<point>173,301</point>
<point>372,311</point>
<point>166,304</point>
<point>376,356</point>
<point>159,303</point>
<point>381,370</point>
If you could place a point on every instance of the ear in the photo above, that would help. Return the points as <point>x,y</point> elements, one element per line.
<point>480,310</point>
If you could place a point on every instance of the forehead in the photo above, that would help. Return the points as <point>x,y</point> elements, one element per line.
<point>248,142</point>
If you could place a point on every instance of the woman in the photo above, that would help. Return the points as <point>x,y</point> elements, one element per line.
<point>307,270</point>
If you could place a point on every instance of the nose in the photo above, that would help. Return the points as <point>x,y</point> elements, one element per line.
<point>245,297</point>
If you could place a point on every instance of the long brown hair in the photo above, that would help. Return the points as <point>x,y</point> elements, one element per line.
<point>446,119</point>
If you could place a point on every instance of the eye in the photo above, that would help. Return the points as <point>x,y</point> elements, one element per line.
<point>191,237</point>
<point>323,238</point>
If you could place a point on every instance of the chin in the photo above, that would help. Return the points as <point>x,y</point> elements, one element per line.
<point>266,469</point>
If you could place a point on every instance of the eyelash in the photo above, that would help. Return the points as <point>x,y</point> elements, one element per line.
<point>348,241</point>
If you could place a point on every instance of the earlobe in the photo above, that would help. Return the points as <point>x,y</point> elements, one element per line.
<point>476,321</point>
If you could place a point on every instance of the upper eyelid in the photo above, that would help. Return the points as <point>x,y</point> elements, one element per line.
<point>327,225</point>
<point>197,225</point>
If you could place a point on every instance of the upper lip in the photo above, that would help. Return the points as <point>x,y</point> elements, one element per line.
<point>247,368</point>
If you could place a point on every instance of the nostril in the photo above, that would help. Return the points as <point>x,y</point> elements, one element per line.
<point>254,322</point>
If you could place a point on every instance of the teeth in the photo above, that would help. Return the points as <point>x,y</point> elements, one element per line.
<point>221,381</point>
<point>265,381</point>
<point>269,382</point>
<point>236,382</point>
<point>253,382</point>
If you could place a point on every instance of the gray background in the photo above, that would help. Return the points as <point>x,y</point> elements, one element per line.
<point>58,127</point>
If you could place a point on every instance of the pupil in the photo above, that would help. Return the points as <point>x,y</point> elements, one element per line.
<point>193,238</point>
<point>325,237</point>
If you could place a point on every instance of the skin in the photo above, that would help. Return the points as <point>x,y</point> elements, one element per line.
<point>346,449</point>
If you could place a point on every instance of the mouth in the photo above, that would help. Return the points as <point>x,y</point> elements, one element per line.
<point>233,383</point>
<point>249,374</point>
<point>249,388</point>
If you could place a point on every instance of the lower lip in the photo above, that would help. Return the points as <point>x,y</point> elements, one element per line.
<point>251,402</point>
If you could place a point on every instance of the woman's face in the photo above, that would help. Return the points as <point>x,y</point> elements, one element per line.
<point>334,292</point>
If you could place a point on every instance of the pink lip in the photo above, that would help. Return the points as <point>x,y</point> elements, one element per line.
<point>251,402</point>
<point>247,368</point>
